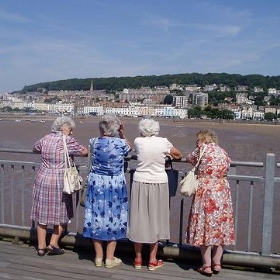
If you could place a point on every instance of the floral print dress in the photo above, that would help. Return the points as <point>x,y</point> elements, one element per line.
<point>211,220</point>
<point>106,203</point>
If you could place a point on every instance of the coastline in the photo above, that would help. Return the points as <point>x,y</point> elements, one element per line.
<point>265,128</point>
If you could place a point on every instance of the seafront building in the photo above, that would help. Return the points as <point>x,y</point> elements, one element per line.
<point>145,101</point>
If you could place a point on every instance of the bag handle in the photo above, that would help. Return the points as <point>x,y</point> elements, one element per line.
<point>66,154</point>
<point>168,162</point>
<point>200,156</point>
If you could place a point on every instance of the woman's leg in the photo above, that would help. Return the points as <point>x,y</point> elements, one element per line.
<point>138,255</point>
<point>111,260</point>
<point>206,259</point>
<point>97,244</point>
<point>57,231</point>
<point>217,254</point>
<point>217,257</point>
<point>153,252</point>
<point>154,263</point>
<point>138,251</point>
<point>41,235</point>
<point>111,246</point>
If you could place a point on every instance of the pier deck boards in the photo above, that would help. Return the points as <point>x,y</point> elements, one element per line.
<point>22,262</point>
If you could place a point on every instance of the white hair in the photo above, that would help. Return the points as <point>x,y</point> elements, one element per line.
<point>109,125</point>
<point>61,122</point>
<point>148,127</point>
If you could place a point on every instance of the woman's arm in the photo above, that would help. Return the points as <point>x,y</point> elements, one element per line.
<point>84,152</point>
<point>175,153</point>
<point>122,136</point>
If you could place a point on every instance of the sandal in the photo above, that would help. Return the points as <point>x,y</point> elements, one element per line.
<point>216,267</point>
<point>42,252</point>
<point>202,271</point>
<point>153,266</point>
<point>55,251</point>
<point>137,264</point>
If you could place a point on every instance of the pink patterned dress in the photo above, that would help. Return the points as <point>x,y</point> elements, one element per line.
<point>50,205</point>
<point>211,220</point>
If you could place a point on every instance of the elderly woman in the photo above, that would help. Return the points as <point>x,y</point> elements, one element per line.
<point>211,222</point>
<point>50,205</point>
<point>106,203</point>
<point>149,206</point>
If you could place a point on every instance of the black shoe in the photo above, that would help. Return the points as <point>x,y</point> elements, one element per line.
<point>42,252</point>
<point>55,250</point>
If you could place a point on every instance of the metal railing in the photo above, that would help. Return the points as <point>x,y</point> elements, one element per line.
<point>255,201</point>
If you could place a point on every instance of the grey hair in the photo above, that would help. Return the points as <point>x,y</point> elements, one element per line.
<point>109,125</point>
<point>61,122</point>
<point>148,127</point>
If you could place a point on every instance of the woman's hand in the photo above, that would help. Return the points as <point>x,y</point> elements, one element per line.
<point>121,130</point>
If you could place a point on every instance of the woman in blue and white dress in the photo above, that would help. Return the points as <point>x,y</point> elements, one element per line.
<point>106,205</point>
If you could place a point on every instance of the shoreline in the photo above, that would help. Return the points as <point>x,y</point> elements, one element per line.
<point>267,128</point>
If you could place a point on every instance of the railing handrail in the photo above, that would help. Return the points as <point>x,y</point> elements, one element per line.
<point>268,179</point>
<point>134,157</point>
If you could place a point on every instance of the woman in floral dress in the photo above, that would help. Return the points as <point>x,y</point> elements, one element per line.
<point>211,221</point>
<point>106,203</point>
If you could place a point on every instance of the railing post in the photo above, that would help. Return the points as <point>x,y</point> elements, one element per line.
<point>268,204</point>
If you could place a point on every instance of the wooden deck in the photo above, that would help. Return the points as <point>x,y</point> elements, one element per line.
<point>22,262</point>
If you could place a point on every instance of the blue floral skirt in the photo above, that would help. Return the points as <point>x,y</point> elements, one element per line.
<point>106,207</point>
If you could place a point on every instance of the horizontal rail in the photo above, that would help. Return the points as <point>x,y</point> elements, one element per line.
<point>134,157</point>
<point>244,188</point>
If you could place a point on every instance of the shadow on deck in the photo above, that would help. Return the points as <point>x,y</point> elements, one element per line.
<point>20,261</point>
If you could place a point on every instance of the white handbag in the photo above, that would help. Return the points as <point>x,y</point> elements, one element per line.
<point>189,184</point>
<point>72,179</point>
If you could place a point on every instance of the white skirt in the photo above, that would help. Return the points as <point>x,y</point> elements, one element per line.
<point>149,212</point>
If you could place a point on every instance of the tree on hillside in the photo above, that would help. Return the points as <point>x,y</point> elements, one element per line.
<point>168,99</point>
<point>270,116</point>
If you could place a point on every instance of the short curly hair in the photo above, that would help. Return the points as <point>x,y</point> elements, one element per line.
<point>149,127</point>
<point>207,136</point>
<point>109,125</point>
<point>62,122</point>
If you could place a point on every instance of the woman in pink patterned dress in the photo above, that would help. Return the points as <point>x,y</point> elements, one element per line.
<point>211,221</point>
<point>50,206</point>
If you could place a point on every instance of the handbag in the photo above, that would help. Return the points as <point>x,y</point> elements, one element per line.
<point>84,188</point>
<point>72,179</point>
<point>189,184</point>
<point>83,194</point>
<point>173,176</point>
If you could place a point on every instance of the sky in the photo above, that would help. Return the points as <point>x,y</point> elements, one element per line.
<point>50,40</point>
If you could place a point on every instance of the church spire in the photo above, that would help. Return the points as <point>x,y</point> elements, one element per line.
<point>91,87</point>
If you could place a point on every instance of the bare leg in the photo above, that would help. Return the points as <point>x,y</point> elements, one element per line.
<point>206,259</point>
<point>217,254</point>
<point>216,260</point>
<point>138,251</point>
<point>154,263</point>
<point>57,231</point>
<point>111,261</point>
<point>153,252</point>
<point>41,235</point>
<point>97,244</point>
<point>111,246</point>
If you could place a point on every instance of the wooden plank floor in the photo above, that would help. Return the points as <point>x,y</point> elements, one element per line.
<point>22,262</point>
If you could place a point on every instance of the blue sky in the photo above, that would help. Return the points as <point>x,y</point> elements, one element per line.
<point>49,40</point>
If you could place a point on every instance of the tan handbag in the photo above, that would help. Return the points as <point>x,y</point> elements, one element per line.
<point>189,184</point>
<point>72,179</point>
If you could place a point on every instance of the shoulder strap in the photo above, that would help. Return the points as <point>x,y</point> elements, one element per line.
<point>200,155</point>
<point>66,154</point>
